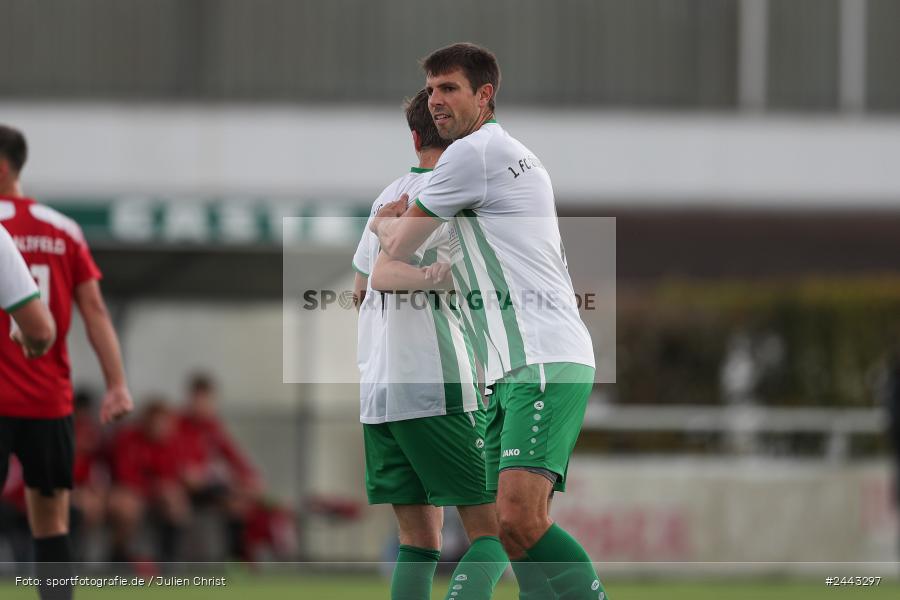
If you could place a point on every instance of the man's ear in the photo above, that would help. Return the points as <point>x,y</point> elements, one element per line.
<point>485,93</point>
<point>417,141</point>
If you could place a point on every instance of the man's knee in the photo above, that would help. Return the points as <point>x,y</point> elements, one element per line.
<point>420,526</point>
<point>421,537</point>
<point>48,515</point>
<point>521,526</point>
<point>479,520</point>
<point>124,506</point>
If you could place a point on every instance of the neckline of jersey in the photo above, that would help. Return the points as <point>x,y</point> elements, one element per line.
<point>419,170</point>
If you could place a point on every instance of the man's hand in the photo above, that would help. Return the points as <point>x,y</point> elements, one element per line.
<point>116,404</point>
<point>29,349</point>
<point>390,210</point>
<point>437,273</point>
<point>33,328</point>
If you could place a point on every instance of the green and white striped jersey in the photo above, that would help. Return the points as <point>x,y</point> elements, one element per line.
<point>415,359</point>
<point>508,258</point>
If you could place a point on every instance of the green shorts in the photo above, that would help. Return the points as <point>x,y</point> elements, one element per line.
<point>534,424</point>
<point>433,460</point>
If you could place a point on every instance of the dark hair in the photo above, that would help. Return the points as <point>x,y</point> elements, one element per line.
<point>155,404</point>
<point>200,383</point>
<point>478,64</point>
<point>419,119</point>
<point>83,399</point>
<point>13,147</point>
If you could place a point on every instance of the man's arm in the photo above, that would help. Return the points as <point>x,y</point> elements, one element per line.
<point>241,466</point>
<point>401,236</point>
<point>392,275</point>
<point>359,289</point>
<point>117,401</point>
<point>457,182</point>
<point>35,330</point>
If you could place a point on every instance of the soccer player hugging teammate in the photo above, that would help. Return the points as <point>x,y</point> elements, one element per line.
<point>36,394</point>
<point>500,201</point>
<point>32,324</point>
<point>423,422</point>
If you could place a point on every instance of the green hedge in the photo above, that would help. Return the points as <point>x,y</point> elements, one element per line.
<point>824,339</point>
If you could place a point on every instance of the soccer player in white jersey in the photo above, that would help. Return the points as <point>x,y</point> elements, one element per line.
<point>34,328</point>
<point>511,270</point>
<point>423,422</point>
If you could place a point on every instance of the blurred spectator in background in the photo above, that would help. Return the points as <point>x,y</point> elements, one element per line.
<point>174,467</point>
<point>91,474</point>
<point>146,469</point>
<point>218,475</point>
<point>14,515</point>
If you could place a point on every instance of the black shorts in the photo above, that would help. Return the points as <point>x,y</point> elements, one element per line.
<point>45,447</point>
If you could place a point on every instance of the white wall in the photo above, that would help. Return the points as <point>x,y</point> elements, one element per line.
<point>697,517</point>
<point>351,152</point>
<point>239,344</point>
<point>713,511</point>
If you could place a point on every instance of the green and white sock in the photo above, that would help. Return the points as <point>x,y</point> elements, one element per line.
<point>532,580</point>
<point>568,567</point>
<point>414,573</point>
<point>478,570</point>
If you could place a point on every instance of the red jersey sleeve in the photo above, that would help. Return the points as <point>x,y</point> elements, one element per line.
<point>232,454</point>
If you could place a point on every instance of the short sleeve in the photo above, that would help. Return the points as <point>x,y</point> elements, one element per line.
<point>362,258</point>
<point>456,183</point>
<point>83,266</point>
<point>17,286</point>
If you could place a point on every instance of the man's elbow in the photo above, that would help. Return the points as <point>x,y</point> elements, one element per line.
<point>389,245</point>
<point>40,337</point>
<point>378,281</point>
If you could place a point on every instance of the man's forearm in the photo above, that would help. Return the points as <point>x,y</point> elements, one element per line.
<point>34,328</point>
<point>391,275</point>
<point>386,230</point>
<point>399,237</point>
<point>105,343</point>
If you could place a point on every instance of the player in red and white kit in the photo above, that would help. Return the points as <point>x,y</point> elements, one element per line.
<point>36,395</point>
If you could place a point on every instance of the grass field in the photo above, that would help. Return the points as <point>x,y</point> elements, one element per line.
<point>352,587</point>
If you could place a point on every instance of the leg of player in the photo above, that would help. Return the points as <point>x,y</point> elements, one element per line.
<point>542,412</point>
<point>48,517</point>
<point>532,580</point>
<point>420,548</point>
<point>175,509</point>
<point>481,566</point>
<point>525,523</point>
<point>523,505</point>
<point>126,509</point>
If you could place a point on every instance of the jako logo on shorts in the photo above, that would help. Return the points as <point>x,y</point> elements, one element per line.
<point>513,452</point>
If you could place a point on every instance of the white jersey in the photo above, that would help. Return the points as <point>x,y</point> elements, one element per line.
<point>415,359</point>
<point>510,259</point>
<point>17,286</point>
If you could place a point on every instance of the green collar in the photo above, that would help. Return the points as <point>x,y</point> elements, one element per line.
<point>419,170</point>
<point>494,121</point>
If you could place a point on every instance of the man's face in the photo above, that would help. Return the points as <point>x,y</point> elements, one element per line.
<point>454,106</point>
<point>202,404</point>
<point>160,425</point>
